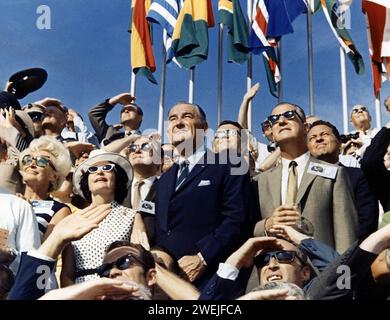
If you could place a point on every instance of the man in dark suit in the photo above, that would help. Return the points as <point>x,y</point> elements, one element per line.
<point>145,158</point>
<point>324,143</point>
<point>200,205</point>
<point>131,118</point>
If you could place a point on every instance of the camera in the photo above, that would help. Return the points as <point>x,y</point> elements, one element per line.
<point>346,137</point>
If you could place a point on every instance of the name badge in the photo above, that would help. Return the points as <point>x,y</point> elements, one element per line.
<point>42,206</point>
<point>322,170</point>
<point>148,207</point>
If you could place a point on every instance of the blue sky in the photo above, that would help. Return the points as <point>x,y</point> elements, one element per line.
<point>86,54</point>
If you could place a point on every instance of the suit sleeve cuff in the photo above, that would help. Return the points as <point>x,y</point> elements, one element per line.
<point>227,271</point>
<point>38,255</point>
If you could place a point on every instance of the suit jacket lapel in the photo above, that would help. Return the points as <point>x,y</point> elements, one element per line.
<point>152,192</point>
<point>307,179</point>
<point>196,170</point>
<point>275,182</point>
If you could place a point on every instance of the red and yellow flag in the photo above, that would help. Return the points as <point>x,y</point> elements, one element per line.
<point>142,58</point>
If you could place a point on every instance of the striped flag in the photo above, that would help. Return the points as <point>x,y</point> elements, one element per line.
<point>165,13</point>
<point>330,9</point>
<point>259,44</point>
<point>231,16</point>
<point>142,58</point>
<point>190,40</point>
<point>378,28</point>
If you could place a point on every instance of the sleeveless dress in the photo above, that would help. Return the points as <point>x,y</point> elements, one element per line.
<point>89,251</point>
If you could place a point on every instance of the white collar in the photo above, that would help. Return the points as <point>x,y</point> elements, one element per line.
<point>301,160</point>
<point>194,158</point>
<point>148,181</point>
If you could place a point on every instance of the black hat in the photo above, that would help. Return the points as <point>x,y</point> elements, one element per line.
<point>8,100</point>
<point>27,81</point>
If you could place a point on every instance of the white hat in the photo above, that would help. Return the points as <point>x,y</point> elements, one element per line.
<point>98,156</point>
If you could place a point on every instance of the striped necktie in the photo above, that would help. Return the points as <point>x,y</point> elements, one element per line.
<point>184,171</point>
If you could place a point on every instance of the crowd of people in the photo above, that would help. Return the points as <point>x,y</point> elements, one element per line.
<point>113,213</point>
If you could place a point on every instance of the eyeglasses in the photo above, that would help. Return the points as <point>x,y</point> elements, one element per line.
<point>41,161</point>
<point>122,263</point>
<point>289,115</point>
<point>280,256</point>
<point>226,133</point>
<point>35,116</point>
<point>356,110</point>
<point>104,168</point>
<point>143,147</point>
<point>265,125</point>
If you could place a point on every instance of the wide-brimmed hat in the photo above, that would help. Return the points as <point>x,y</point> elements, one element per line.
<point>27,81</point>
<point>99,156</point>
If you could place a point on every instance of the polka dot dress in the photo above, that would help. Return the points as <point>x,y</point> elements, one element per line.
<point>89,251</point>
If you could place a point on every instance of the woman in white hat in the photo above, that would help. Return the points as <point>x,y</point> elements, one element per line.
<point>104,178</point>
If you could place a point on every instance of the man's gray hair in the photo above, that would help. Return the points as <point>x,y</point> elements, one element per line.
<point>293,289</point>
<point>202,114</point>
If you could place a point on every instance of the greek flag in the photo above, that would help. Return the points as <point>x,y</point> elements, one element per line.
<point>165,13</point>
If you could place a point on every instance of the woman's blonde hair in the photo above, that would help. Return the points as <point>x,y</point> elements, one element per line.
<point>61,157</point>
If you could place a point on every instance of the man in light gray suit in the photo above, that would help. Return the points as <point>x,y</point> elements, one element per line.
<point>302,186</point>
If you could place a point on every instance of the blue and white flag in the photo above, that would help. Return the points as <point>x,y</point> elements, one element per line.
<point>165,13</point>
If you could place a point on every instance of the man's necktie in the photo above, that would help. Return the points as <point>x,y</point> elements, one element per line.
<point>183,173</point>
<point>292,183</point>
<point>137,195</point>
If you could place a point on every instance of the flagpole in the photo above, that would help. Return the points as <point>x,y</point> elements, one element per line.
<point>249,69</point>
<point>191,86</point>
<point>280,86</point>
<point>378,114</point>
<point>133,84</point>
<point>161,104</point>
<point>344,90</point>
<point>220,55</point>
<point>310,58</point>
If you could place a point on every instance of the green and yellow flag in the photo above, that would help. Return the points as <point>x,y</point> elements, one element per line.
<point>231,16</point>
<point>190,40</point>
<point>142,58</point>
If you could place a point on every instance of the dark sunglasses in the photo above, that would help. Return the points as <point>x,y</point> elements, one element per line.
<point>281,257</point>
<point>143,147</point>
<point>265,125</point>
<point>122,263</point>
<point>289,115</point>
<point>358,109</point>
<point>104,168</point>
<point>41,161</point>
<point>35,116</point>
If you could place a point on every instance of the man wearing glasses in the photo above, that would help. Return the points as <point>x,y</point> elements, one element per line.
<point>144,157</point>
<point>302,187</point>
<point>361,120</point>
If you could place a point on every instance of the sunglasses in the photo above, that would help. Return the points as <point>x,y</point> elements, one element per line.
<point>226,133</point>
<point>280,256</point>
<point>35,116</point>
<point>289,115</point>
<point>265,125</point>
<point>143,147</point>
<point>122,263</point>
<point>41,161</point>
<point>358,109</point>
<point>104,168</point>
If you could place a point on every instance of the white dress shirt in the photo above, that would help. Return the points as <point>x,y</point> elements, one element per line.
<point>17,217</point>
<point>193,159</point>
<point>145,188</point>
<point>301,165</point>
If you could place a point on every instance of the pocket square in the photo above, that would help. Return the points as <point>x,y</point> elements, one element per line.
<point>204,183</point>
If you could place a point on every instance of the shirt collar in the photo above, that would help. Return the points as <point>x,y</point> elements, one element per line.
<point>148,181</point>
<point>195,157</point>
<point>301,160</point>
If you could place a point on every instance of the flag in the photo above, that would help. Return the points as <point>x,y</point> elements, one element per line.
<point>165,13</point>
<point>231,16</point>
<point>190,40</point>
<point>378,28</point>
<point>142,58</point>
<point>259,44</point>
<point>282,13</point>
<point>330,9</point>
